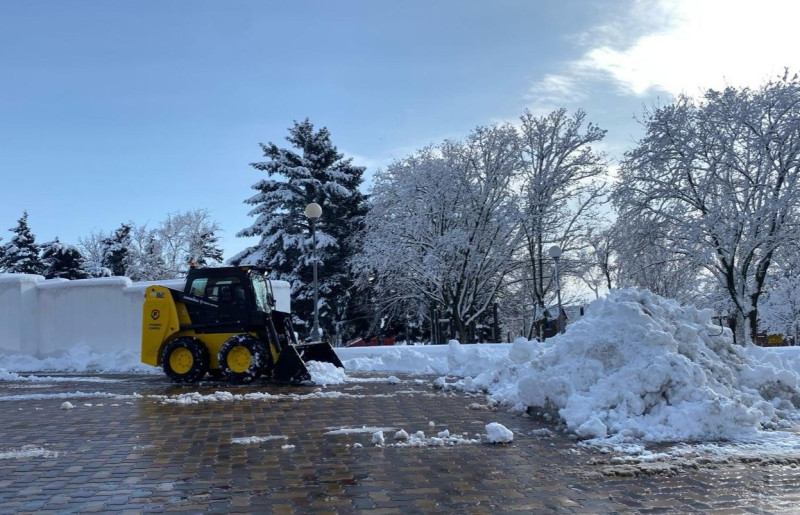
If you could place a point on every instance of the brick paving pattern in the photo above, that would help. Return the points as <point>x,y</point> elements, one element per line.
<point>113,454</point>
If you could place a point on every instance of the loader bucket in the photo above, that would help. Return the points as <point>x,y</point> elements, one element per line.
<point>318,351</point>
<point>291,365</point>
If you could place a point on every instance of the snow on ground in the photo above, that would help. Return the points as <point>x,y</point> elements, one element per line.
<point>80,358</point>
<point>636,369</point>
<point>28,451</point>
<point>257,439</point>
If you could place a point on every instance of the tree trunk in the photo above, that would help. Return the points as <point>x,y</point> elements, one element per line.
<point>752,319</point>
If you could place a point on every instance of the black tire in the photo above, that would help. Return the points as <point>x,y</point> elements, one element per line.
<point>243,359</point>
<point>185,360</point>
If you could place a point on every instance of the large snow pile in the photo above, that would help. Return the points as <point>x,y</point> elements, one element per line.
<point>642,368</point>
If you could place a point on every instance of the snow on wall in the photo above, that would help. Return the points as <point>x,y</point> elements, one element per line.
<point>17,307</point>
<point>47,317</point>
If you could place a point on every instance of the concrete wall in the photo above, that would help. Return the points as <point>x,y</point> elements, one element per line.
<point>45,318</point>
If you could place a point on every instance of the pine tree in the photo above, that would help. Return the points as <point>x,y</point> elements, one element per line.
<point>21,254</point>
<point>203,249</point>
<point>313,170</point>
<point>63,261</point>
<point>116,250</point>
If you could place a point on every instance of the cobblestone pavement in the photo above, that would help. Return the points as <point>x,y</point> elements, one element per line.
<point>119,452</point>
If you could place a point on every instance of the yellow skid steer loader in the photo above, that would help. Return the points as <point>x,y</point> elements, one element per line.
<point>224,323</point>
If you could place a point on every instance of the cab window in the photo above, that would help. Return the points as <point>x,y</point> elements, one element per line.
<point>198,287</point>
<point>262,293</point>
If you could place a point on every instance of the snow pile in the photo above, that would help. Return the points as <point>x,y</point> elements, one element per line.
<point>323,373</point>
<point>418,439</point>
<point>640,367</point>
<point>80,358</point>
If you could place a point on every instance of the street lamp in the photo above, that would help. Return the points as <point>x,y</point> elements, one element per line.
<point>555,253</point>
<point>314,211</point>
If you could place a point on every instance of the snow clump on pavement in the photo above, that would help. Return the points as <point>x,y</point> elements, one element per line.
<point>498,433</point>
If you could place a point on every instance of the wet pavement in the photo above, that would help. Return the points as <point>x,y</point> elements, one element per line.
<point>137,444</point>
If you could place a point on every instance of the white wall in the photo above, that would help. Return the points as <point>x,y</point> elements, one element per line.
<point>18,313</point>
<point>45,318</point>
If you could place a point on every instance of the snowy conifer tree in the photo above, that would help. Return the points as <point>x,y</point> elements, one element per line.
<point>116,250</point>
<point>63,261</point>
<point>203,250</point>
<point>21,253</point>
<point>313,170</point>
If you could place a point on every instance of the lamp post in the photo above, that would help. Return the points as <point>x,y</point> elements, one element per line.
<point>555,253</point>
<point>314,211</point>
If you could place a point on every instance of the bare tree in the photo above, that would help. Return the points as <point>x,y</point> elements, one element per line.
<point>562,187</point>
<point>146,256</point>
<point>93,249</point>
<point>154,254</point>
<point>442,230</point>
<point>186,237</point>
<point>720,177</point>
<point>647,258</point>
<point>597,264</point>
<point>779,310</point>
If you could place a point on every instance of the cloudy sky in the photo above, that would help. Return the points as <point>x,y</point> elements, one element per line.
<point>127,111</point>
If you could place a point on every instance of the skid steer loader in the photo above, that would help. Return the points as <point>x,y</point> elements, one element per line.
<point>225,323</point>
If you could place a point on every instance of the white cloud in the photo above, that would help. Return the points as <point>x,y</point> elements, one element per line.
<point>683,46</point>
<point>553,91</point>
<point>703,44</point>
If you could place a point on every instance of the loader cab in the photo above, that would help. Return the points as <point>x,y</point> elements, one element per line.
<point>227,296</point>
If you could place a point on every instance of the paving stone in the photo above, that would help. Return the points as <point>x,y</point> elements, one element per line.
<point>145,456</point>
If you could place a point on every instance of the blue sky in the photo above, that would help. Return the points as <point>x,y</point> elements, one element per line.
<point>127,111</point>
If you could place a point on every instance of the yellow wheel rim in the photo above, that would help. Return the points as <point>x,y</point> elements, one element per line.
<point>181,360</point>
<point>239,359</point>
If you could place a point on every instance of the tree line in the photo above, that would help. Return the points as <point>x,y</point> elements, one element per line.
<point>137,252</point>
<point>703,209</point>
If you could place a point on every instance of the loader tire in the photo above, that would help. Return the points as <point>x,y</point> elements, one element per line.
<point>243,359</point>
<point>185,360</point>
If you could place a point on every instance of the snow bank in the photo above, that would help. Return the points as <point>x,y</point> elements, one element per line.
<point>636,368</point>
<point>642,368</point>
<point>47,318</point>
